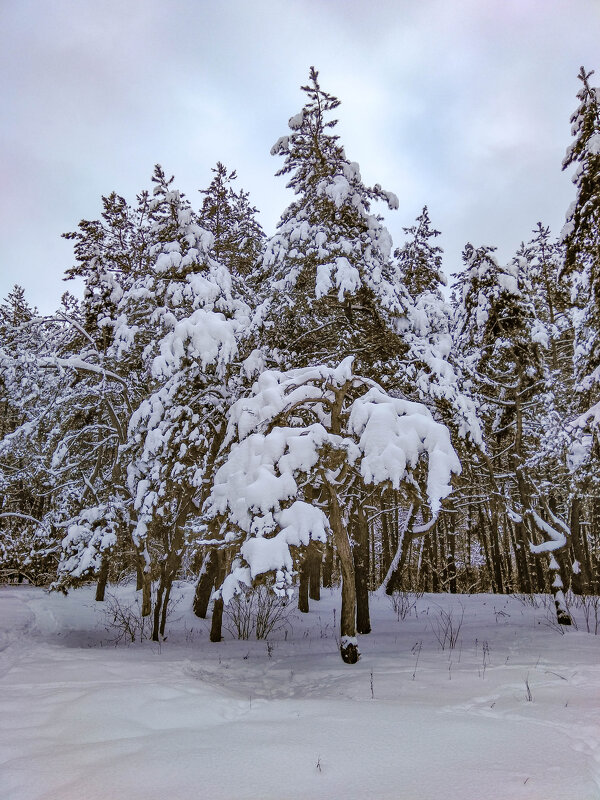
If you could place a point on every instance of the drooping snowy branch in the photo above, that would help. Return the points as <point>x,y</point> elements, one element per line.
<point>273,450</point>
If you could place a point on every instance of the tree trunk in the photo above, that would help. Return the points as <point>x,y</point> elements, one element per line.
<point>556,564</point>
<point>361,571</point>
<point>303,586</point>
<point>562,613</point>
<point>158,605</point>
<point>216,627</point>
<point>582,578</point>
<point>433,560</point>
<point>102,579</point>
<point>171,563</point>
<point>386,556</point>
<point>146,595</point>
<point>314,576</point>
<point>348,642</point>
<point>205,584</point>
<point>451,557</point>
<point>328,566</point>
<point>521,551</point>
<point>495,550</point>
<point>139,576</point>
<point>165,608</point>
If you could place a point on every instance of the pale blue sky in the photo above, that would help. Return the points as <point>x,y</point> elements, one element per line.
<point>463,105</point>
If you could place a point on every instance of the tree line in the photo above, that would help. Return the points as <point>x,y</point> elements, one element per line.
<point>309,407</point>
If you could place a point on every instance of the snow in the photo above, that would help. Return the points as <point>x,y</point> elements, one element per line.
<point>508,280</point>
<point>259,483</point>
<point>556,541</point>
<point>296,121</point>
<point>299,523</point>
<point>82,718</point>
<point>393,434</point>
<point>593,145</point>
<point>205,336</point>
<point>347,277</point>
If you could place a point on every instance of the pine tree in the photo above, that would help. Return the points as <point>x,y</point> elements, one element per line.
<point>232,220</point>
<point>419,259</point>
<point>332,288</point>
<point>581,237</point>
<point>15,310</point>
<point>177,327</point>
<point>109,252</point>
<point>28,415</point>
<point>504,342</point>
<point>327,269</point>
<point>581,233</point>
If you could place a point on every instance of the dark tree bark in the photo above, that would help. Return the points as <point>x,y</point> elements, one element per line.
<point>393,580</point>
<point>170,565</point>
<point>303,586</point>
<point>314,582</point>
<point>146,588</point>
<point>328,566</point>
<point>348,643</point>
<point>216,627</point>
<point>581,581</point>
<point>386,554</point>
<point>205,584</point>
<point>521,549</point>
<point>451,557</point>
<point>102,579</point>
<point>361,571</point>
<point>433,560</point>
<point>423,574</point>
<point>139,576</point>
<point>494,551</point>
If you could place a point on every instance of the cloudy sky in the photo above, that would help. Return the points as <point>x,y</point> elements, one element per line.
<point>462,105</point>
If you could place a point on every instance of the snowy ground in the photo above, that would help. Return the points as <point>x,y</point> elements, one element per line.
<point>81,718</point>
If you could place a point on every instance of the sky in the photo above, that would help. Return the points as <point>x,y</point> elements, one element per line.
<point>462,105</point>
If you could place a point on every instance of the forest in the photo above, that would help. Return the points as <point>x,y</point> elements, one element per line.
<point>274,414</point>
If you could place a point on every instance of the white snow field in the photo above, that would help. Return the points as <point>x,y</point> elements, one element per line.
<point>83,719</point>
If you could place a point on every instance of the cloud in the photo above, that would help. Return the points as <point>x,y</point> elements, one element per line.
<point>463,106</point>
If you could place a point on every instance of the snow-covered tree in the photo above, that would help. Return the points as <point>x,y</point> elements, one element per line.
<point>109,252</point>
<point>178,324</point>
<point>581,233</point>
<point>232,220</point>
<point>419,259</point>
<point>581,236</point>
<point>332,288</point>
<point>327,275</point>
<point>503,342</point>
<point>30,492</point>
<point>326,429</point>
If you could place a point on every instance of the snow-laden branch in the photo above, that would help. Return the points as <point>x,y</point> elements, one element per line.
<point>271,453</point>
<point>28,517</point>
<point>79,365</point>
<point>557,538</point>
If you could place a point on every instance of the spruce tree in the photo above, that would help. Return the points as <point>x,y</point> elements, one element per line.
<point>419,259</point>
<point>232,220</point>
<point>581,233</point>
<point>327,269</point>
<point>503,342</point>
